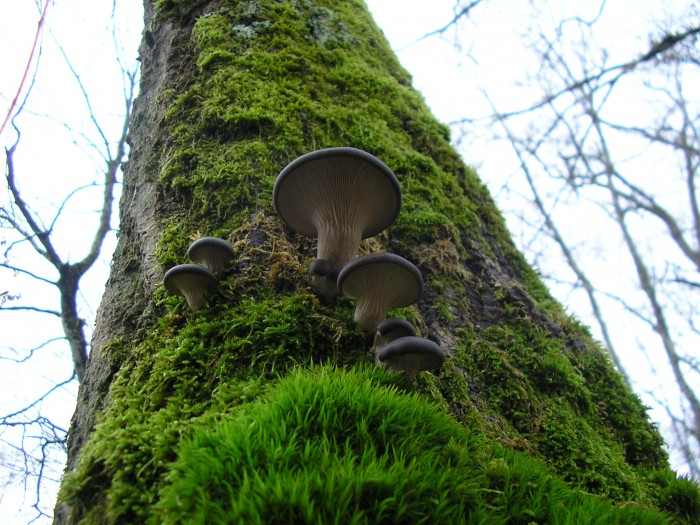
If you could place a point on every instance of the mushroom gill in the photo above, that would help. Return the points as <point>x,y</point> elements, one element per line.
<point>379,282</point>
<point>192,281</point>
<point>411,355</point>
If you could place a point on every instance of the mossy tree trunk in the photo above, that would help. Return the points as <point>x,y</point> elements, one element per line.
<point>231,92</point>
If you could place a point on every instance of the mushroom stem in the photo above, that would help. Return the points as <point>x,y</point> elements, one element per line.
<point>371,309</point>
<point>338,243</point>
<point>340,196</point>
<point>196,299</point>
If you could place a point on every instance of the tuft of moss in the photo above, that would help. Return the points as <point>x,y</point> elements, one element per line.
<point>336,446</point>
<point>678,496</point>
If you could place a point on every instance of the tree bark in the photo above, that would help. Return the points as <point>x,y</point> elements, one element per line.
<point>231,92</point>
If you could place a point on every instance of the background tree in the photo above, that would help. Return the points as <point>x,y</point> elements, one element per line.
<point>606,156</point>
<point>45,227</point>
<point>225,413</point>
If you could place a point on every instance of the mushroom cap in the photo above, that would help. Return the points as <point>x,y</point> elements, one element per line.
<point>337,184</point>
<point>411,354</point>
<point>322,268</point>
<point>379,281</point>
<point>398,278</point>
<point>324,278</point>
<point>191,281</point>
<point>394,328</point>
<point>211,252</point>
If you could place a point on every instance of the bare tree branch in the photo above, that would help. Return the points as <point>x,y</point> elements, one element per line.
<point>460,13</point>
<point>30,352</point>
<point>614,72</point>
<point>71,273</point>
<point>15,101</point>
<point>30,309</point>
<point>24,271</point>
<point>555,234</point>
<point>565,145</point>
<point>48,251</point>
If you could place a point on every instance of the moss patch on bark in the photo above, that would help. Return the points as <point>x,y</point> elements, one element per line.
<point>273,79</point>
<point>332,446</point>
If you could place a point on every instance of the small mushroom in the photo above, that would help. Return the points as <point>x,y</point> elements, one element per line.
<point>340,196</point>
<point>322,268</point>
<point>211,252</point>
<point>192,281</point>
<point>411,355</point>
<point>389,330</point>
<point>323,278</point>
<point>393,328</point>
<point>378,282</point>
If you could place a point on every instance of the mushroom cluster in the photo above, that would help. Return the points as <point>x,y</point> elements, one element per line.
<point>195,281</point>
<point>341,196</point>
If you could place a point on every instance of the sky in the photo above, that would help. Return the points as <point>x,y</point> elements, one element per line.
<point>52,158</point>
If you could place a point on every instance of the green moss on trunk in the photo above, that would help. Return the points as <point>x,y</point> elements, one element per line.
<point>254,85</point>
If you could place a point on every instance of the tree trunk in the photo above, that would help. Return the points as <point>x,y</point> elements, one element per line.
<point>231,92</point>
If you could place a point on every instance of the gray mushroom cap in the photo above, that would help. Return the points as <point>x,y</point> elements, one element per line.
<point>389,330</point>
<point>340,196</point>
<point>323,278</point>
<point>411,355</point>
<point>322,268</point>
<point>393,328</point>
<point>211,252</point>
<point>379,282</point>
<point>192,281</point>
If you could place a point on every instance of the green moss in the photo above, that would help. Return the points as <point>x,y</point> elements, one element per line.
<point>241,121</point>
<point>562,406</point>
<point>329,446</point>
<point>195,368</point>
<point>271,80</point>
<point>677,496</point>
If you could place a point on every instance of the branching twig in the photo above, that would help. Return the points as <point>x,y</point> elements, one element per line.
<point>564,149</point>
<point>37,36</point>
<point>617,71</point>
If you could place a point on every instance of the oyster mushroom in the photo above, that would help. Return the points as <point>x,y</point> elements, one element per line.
<point>192,281</point>
<point>411,355</point>
<point>211,252</point>
<point>392,328</point>
<point>378,282</point>
<point>340,196</point>
<point>389,330</point>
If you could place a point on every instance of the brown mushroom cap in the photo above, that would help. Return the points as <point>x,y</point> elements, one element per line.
<point>211,252</point>
<point>192,281</point>
<point>341,196</point>
<point>411,355</point>
<point>378,282</point>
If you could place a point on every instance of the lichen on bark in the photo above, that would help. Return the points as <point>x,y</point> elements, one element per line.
<point>231,92</point>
